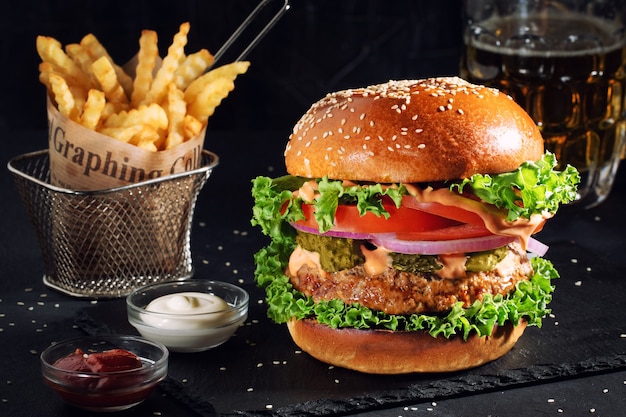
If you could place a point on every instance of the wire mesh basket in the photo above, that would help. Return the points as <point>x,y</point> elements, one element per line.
<point>104,244</point>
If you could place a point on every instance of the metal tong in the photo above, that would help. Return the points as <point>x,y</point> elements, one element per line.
<point>244,25</point>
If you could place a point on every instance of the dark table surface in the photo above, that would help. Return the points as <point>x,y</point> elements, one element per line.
<point>575,365</point>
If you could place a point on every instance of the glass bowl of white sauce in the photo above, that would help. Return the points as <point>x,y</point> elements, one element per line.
<point>188,316</point>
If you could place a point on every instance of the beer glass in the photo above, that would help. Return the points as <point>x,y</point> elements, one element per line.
<point>564,63</point>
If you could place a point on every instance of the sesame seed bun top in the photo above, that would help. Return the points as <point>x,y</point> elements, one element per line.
<point>412,131</point>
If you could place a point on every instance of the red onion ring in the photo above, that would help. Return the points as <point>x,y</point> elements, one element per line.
<point>536,247</point>
<point>428,247</point>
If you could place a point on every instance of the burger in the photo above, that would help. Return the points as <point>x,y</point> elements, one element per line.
<point>402,238</point>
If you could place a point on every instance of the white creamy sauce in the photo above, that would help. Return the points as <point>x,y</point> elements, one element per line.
<point>187,310</point>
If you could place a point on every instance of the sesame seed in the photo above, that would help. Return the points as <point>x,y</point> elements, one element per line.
<point>390,148</point>
<point>362,116</point>
<point>441,108</point>
<point>421,146</point>
<point>343,122</point>
<point>419,130</point>
<point>414,117</point>
<point>460,111</point>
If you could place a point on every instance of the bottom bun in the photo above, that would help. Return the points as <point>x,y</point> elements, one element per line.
<point>389,352</point>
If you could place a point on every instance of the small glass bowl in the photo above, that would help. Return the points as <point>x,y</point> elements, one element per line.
<point>188,332</point>
<point>105,391</point>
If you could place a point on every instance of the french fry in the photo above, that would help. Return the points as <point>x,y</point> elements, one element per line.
<point>113,108</point>
<point>92,109</point>
<point>152,115</point>
<point>191,126</point>
<point>49,50</point>
<point>165,74</point>
<point>192,67</point>
<point>176,108</point>
<point>63,96</point>
<point>79,55</point>
<point>146,61</point>
<point>147,138</point>
<point>105,74</point>
<point>231,71</point>
<point>206,102</point>
<point>96,50</point>
<point>124,134</point>
<point>45,69</point>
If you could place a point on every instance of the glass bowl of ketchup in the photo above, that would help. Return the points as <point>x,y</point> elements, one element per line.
<point>104,373</point>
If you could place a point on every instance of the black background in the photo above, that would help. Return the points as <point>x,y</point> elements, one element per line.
<point>317,47</point>
<point>575,363</point>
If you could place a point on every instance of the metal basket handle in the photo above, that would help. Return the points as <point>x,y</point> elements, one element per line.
<point>244,25</point>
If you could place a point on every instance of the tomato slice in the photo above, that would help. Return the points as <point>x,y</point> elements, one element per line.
<point>450,212</point>
<point>401,220</point>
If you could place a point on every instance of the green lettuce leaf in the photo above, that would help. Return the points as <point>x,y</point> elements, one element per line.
<point>275,203</point>
<point>534,188</point>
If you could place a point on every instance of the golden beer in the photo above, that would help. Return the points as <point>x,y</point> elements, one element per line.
<point>569,75</point>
